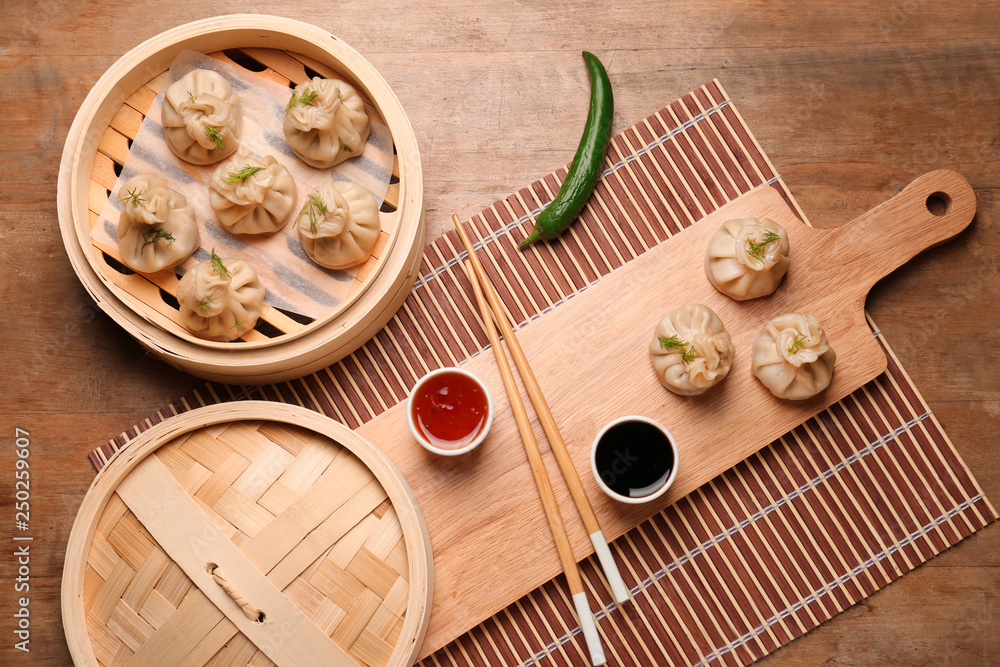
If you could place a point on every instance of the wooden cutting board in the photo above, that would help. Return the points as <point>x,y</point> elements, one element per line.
<point>490,540</point>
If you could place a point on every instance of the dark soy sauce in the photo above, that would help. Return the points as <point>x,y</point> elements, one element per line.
<point>634,458</point>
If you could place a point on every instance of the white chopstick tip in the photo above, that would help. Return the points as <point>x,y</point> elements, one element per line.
<point>607,561</point>
<point>589,628</point>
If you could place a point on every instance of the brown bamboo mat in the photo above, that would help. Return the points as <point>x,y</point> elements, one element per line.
<point>824,516</point>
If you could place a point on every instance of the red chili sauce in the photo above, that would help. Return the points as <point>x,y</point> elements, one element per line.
<point>450,410</point>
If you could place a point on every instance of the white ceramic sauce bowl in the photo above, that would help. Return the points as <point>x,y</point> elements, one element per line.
<point>661,485</point>
<point>420,386</point>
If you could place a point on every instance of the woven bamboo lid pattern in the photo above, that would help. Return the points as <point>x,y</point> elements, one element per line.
<point>248,534</point>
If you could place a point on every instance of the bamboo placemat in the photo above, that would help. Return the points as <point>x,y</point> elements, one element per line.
<point>824,516</point>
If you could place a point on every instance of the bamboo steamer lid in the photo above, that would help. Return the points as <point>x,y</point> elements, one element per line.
<point>281,347</point>
<point>248,533</point>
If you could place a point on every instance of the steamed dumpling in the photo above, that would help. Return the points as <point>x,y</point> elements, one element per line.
<point>326,122</point>
<point>220,299</point>
<point>250,195</point>
<point>156,228</point>
<point>747,258</point>
<point>792,357</point>
<point>691,350</point>
<point>339,224</point>
<point>201,117</point>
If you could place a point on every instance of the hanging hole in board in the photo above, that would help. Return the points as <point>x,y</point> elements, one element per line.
<point>261,617</point>
<point>938,203</point>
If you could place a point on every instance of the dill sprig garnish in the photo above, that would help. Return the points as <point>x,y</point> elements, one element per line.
<point>205,303</point>
<point>316,207</point>
<point>133,197</point>
<point>219,267</point>
<point>688,353</point>
<point>243,174</point>
<point>214,134</point>
<point>306,97</point>
<point>671,343</point>
<point>757,249</point>
<point>153,235</point>
<point>798,343</point>
<point>192,97</point>
<point>345,147</point>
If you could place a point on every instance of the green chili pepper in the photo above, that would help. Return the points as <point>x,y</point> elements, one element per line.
<point>586,167</point>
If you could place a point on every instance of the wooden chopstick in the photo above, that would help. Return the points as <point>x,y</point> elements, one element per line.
<point>556,442</point>
<point>551,507</point>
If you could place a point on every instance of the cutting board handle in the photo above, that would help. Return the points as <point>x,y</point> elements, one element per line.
<point>930,210</point>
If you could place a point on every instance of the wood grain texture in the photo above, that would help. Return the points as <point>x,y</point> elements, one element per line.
<point>850,101</point>
<point>605,332</point>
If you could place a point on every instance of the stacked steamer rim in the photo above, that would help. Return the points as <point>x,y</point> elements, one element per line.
<point>284,344</point>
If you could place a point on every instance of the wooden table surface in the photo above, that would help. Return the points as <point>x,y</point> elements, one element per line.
<point>850,103</point>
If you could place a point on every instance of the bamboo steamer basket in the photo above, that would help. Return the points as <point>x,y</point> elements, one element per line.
<point>248,533</point>
<point>281,347</point>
